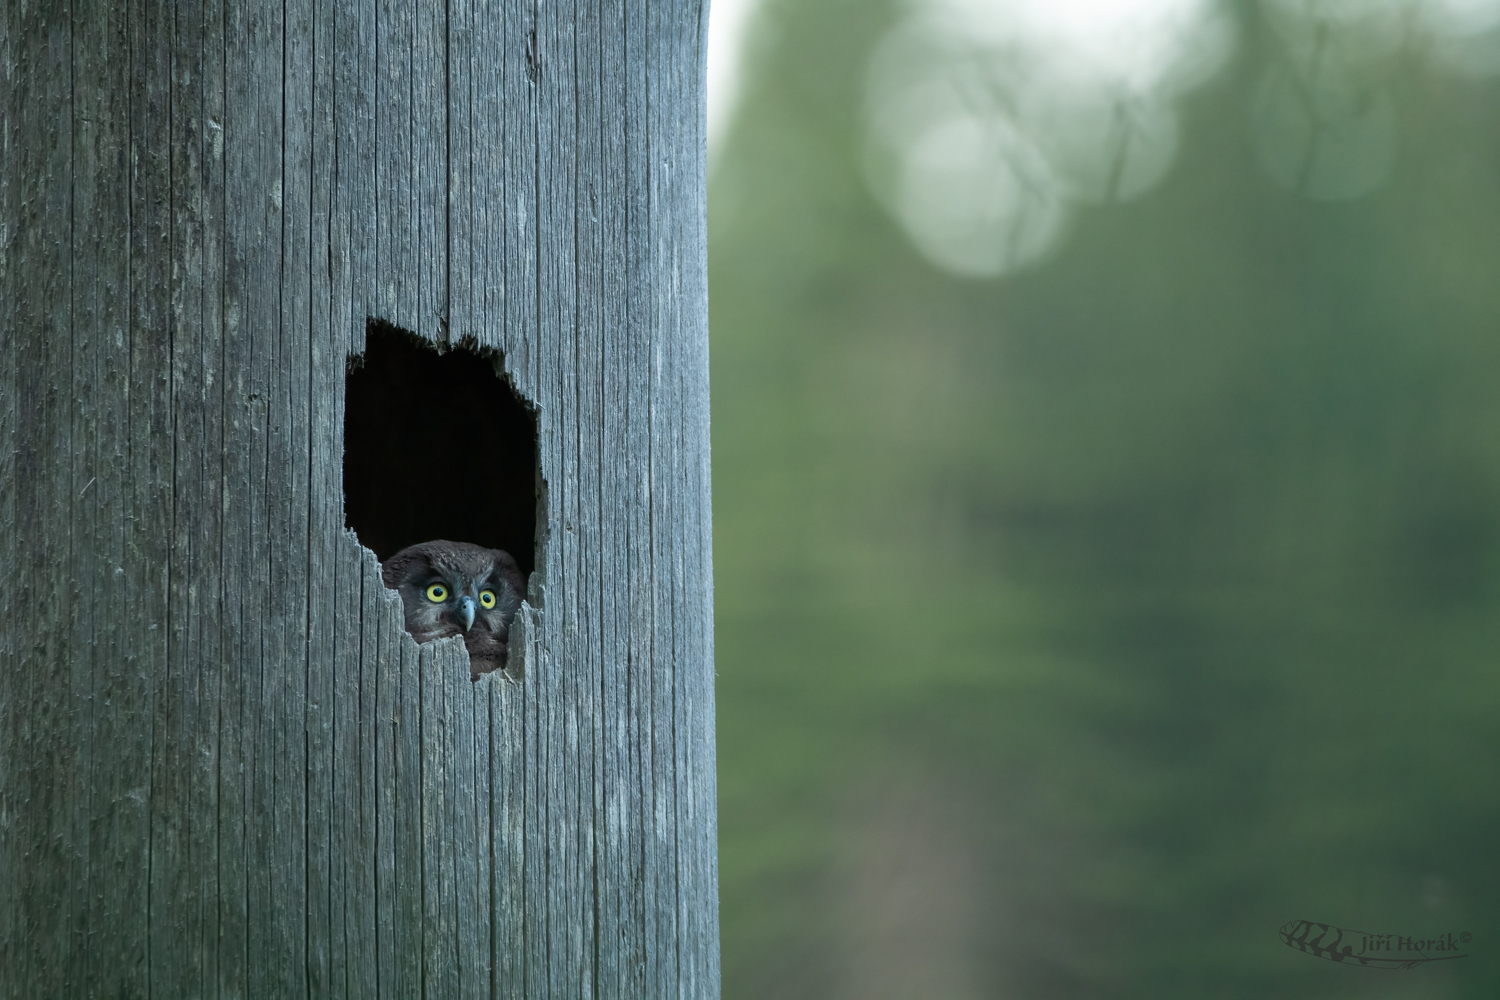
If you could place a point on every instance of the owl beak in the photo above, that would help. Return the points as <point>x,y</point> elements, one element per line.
<point>466,611</point>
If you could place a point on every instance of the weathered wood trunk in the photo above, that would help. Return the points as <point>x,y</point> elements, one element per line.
<point>225,770</point>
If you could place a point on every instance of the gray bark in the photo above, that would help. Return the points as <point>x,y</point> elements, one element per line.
<point>225,770</point>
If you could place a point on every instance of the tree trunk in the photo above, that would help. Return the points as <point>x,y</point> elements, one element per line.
<point>225,769</point>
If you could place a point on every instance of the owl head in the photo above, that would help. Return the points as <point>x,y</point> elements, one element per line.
<point>454,588</point>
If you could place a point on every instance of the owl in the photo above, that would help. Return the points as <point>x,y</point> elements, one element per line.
<point>454,588</point>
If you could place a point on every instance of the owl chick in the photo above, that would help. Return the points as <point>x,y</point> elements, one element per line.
<point>454,588</point>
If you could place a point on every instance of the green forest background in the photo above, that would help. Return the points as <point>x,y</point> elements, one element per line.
<point>1078,628</point>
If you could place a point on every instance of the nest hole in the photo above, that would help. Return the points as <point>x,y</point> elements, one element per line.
<point>437,444</point>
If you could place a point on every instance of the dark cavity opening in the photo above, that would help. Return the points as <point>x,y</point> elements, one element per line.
<point>437,445</point>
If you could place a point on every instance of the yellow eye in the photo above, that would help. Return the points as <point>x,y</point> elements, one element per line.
<point>487,598</point>
<point>437,593</point>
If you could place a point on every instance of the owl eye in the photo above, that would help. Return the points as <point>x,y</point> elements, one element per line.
<point>487,598</point>
<point>437,593</point>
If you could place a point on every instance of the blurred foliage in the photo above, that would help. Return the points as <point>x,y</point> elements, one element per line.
<point>1078,629</point>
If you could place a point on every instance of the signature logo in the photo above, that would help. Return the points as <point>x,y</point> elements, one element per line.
<point>1374,951</point>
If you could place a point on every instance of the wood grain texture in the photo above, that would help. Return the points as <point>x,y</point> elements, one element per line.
<point>225,770</point>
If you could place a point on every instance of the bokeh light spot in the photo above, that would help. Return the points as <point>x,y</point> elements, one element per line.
<point>977,198</point>
<point>1040,104</point>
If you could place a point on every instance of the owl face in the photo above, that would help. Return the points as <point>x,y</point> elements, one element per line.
<point>454,588</point>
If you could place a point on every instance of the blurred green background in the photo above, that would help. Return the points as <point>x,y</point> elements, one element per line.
<point>1081,624</point>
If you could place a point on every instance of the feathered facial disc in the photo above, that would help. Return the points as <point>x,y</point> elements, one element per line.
<point>454,588</point>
